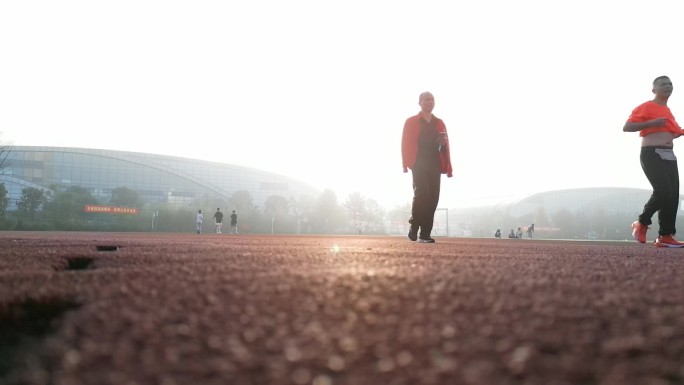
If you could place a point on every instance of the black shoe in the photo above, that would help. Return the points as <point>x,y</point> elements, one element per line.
<point>413,234</point>
<point>426,240</point>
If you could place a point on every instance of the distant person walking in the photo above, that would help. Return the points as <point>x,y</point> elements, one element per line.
<point>530,231</point>
<point>218,219</point>
<point>200,220</point>
<point>425,150</point>
<point>233,223</point>
<point>658,128</point>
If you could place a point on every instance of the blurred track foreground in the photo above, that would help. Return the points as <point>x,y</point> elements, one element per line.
<point>123,309</point>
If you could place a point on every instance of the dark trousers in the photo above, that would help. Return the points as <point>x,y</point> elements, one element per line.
<point>663,175</point>
<point>426,183</point>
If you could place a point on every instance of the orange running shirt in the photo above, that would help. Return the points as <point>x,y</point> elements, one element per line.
<point>652,110</point>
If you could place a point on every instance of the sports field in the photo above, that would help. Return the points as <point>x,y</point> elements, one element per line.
<point>96,308</point>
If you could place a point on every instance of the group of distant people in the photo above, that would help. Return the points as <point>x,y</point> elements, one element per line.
<point>517,234</point>
<point>218,221</point>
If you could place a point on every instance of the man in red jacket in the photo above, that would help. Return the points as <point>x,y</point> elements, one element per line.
<point>425,150</point>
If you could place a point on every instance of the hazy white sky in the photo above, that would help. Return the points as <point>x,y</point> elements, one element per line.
<point>534,93</point>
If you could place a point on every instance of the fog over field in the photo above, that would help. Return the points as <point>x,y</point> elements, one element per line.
<point>534,94</point>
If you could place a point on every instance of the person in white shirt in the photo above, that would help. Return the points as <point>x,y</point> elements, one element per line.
<point>200,219</point>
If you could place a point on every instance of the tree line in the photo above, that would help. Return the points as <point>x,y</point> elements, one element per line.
<point>61,208</point>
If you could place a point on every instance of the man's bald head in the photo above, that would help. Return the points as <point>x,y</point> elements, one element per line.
<point>425,94</point>
<point>426,102</point>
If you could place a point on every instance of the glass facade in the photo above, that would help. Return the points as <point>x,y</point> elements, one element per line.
<point>156,178</point>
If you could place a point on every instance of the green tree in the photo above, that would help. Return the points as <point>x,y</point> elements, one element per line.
<point>374,217</point>
<point>329,214</point>
<point>65,209</point>
<point>355,206</point>
<point>581,221</point>
<point>30,201</point>
<point>565,221</point>
<point>210,203</point>
<point>399,217</point>
<point>242,202</point>
<point>180,220</point>
<point>4,200</point>
<point>599,224</point>
<point>540,218</point>
<point>276,209</point>
<point>303,210</point>
<point>276,204</point>
<point>125,197</point>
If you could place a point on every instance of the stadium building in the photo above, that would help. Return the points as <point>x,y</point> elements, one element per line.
<point>156,178</point>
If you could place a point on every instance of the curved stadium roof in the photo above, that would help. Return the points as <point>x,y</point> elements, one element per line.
<point>157,178</point>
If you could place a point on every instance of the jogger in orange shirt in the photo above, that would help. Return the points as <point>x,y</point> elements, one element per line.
<point>658,128</point>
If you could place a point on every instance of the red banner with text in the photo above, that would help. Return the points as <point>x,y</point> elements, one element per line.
<point>110,209</point>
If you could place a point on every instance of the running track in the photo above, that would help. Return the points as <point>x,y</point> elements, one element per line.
<point>329,310</point>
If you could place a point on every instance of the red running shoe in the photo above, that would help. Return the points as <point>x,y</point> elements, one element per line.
<point>667,241</point>
<point>639,231</point>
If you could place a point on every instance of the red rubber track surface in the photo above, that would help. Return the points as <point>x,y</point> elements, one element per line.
<point>323,310</point>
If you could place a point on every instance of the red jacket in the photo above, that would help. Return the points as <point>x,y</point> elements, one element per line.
<point>409,144</point>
